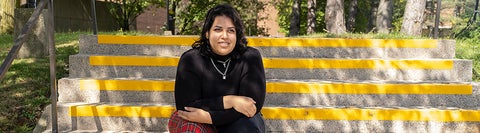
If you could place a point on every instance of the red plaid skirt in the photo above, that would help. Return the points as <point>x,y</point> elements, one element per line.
<point>179,125</point>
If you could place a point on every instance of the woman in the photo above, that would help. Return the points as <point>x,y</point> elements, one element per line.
<point>220,82</point>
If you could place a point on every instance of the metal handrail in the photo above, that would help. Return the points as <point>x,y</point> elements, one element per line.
<point>437,19</point>
<point>20,40</point>
<point>94,19</point>
<point>50,31</point>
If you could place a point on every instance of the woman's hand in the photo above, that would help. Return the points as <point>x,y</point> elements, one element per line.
<point>242,104</point>
<point>195,115</point>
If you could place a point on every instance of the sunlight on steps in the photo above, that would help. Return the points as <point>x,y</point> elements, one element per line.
<point>126,83</point>
<point>292,87</point>
<point>300,113</point>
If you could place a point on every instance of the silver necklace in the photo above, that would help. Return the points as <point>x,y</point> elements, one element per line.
<point>225,64</point>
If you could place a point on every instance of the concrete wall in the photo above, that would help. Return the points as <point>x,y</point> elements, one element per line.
<point>36,43</point>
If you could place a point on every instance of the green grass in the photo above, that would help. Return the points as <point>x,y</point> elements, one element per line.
<point>25,90</point>
<point>6,41</point>
<point>470,49</point>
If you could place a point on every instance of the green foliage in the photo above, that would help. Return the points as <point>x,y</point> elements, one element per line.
<point>191,15</point>
<point>362,17</point>
<point>25,90</point>
<point>463,14</point>
<point>469,48</point>
<point>126,11</point>
<point>398,11</point>
<point>285,9</point>
<point>472,33</point>
<point>189,20</point>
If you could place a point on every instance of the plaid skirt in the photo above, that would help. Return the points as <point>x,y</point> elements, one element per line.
<point>179,125</point>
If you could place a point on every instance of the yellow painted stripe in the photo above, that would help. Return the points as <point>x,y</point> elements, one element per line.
<point>298,87</point>
<point>351,88</point>
<point>371,114</point>
<point>276,42</point>
<point>357,63</point>
<point>133,61</point>
<point>294,113</point>
<point>128,85</point>
<point>149,40</point>
<point>285,63</point>
<point>342,43</point>
<point>122,111</point>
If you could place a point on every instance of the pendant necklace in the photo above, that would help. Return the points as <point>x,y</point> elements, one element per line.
<point>225,64</point>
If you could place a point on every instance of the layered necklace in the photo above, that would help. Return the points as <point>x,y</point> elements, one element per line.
<point>225,63</point>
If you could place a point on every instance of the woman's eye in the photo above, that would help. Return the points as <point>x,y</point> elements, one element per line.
<point>231,31</point>
<point>218,30</point>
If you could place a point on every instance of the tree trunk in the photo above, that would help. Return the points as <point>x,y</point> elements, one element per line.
<point>171,17</point>
<point>334,17</point>
<point>385,16</point>
<point>311,16</point>
<point>413,17</point>
<point>295,19</point>
<point>7,10</point>
<point>352,14</point>
<point>373,15</point>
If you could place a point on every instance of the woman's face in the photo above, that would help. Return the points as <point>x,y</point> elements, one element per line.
<point>222,35</point>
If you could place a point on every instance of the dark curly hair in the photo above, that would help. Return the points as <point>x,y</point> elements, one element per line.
<point>230,12</point>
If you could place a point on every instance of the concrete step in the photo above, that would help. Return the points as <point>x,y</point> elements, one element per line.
<point>275,47</point>
<point>283,92</point>
<point>440,70</point>
<point>153,118</point>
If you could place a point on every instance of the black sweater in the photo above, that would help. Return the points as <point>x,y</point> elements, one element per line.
<point>198,84</point>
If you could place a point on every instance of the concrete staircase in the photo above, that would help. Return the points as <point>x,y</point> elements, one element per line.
<point>126,83</point>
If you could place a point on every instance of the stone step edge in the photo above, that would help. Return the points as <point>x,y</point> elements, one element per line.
<point>291,63</point>
<point>444,50</point>
<point>301,87</point>
<point>277,42</point>
<point>291,113</point>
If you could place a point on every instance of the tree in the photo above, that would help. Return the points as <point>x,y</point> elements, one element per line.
<point>249,10</point>
<point>352,13</point>
<point>191,15</point>
<point>334,17</point>
<point>384,16</point>
<point>126,11</point>
<point>171,11</point>
<point>7,8</point>
<point>413,17</point>
<point>398,12</point>
<point>311,16</point>
<point>284,8</point>
<point>295,19</point>
<point>373,15</point>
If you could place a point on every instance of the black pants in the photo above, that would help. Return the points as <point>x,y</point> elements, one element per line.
<point>254,124</point>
